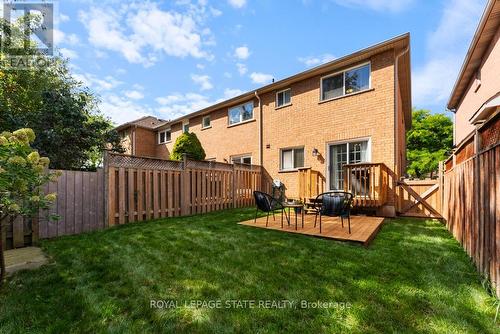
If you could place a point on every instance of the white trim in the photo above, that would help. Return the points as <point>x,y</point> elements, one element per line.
<point>241,120</point>
<point>203,122</point>
<point>164,131</point>
<point>346,141</point>
<point>343,80</point>
<point>286,104</point>
<point>281,169</point>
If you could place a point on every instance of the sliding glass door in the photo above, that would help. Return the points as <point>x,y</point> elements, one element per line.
<point>342,154</point>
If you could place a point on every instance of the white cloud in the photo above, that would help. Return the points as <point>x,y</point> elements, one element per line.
<point>242,52</point>
<point>446,47</point>
<point>134,95</point>
<point>62,38</point>
<point>141,32</point>
<point>122,110</point>
<point>229,93</point>
<point>200,66</point>
<point>237,3</point>
<point>67,53</point>
<point>261,78</point>
<point>177,105</point>
<point>377,5</point>
<point>203,81</point>
<point>215,12</point>
<point>228,75</point>
<point>242,68</point>
<point>91,80</point>
<point>317,60</point>
<point>62,18</point>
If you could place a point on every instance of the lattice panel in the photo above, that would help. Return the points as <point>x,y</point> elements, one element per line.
<point>126,161</point>
<point>208,165</point>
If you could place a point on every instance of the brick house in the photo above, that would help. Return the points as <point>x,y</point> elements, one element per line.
<point>354,109</point>
<point>475,99</point>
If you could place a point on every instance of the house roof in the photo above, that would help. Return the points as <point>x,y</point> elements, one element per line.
<point>146,122</point>
<point>486,30</point>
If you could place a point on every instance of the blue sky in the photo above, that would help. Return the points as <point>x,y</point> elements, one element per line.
<point>169,58</point>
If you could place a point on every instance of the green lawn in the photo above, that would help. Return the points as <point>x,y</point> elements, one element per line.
<point>413,278</point>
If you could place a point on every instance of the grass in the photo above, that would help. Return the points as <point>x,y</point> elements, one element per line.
<point>414,278</point>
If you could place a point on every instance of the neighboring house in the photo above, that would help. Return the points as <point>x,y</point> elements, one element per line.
<point>354,109</point>
<point>475,98</point>
<point>139,137</point>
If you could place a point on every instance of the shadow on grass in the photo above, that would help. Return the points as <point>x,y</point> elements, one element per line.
<point>413,278</point>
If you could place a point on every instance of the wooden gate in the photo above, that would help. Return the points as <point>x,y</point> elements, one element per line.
<point>420,198</point>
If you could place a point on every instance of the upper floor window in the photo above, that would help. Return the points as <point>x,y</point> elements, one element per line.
<point>206,122</point>
<point>185,127</point>
<point>164,136</point>
<point>292,158</point>
<point>348,82</point>
<point>283,98</point>
<point>241,113</point>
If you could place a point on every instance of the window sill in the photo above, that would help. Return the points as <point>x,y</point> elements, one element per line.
<point>167,142</point>
<point>283,106</point>
<point>347,95</point>
<point>241,123</point>
<point>206,128</point>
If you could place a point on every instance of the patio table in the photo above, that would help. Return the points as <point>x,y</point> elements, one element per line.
<point>295,206</point>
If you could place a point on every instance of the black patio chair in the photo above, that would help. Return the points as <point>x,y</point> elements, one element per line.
<point>267,203</point>
<point>333,204</point>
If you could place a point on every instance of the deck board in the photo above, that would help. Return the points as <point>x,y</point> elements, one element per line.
<point>363,228</point>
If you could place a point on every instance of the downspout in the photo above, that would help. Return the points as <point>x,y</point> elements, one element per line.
<point>261,153</point>
<point>396,86</point>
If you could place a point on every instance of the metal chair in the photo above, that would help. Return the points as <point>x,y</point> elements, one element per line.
<point>333,204</point>
<point>267,203</point>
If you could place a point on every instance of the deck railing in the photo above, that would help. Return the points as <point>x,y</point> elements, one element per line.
<point>311,183</point>
<point>368,182</point>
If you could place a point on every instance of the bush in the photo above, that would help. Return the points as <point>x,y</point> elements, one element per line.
<point>188,143</point>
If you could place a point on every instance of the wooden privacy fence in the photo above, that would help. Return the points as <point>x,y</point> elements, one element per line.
<point>145,188</point>
<point>79,205</point>
<point>472,210</point>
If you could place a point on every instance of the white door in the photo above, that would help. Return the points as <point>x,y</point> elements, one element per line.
<point>342,154</point>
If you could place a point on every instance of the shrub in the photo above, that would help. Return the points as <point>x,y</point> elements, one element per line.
<point>188,143</point>
<point>22,175</point>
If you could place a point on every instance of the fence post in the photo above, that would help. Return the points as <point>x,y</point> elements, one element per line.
<point>184,189</point>
<point>233,188</point>
<point>105,166</point>
<point>441,186</point>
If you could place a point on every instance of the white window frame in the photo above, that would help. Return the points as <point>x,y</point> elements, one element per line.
<point>164,131</point>
<point>184,123</point>
<point>203,122</point>
<point>293,158</point>
<point>339,142</point>
<point>343,81</point>
<point>282,91</point>
<point>241,157</point>
<point>241,114</point>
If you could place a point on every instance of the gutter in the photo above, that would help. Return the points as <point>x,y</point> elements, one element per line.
<point>396,86</point>
<point>261,153</point>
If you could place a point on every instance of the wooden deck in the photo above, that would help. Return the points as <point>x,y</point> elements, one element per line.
<point>363,228</point>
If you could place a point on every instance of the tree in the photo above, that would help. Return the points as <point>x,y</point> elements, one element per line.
<point>189,144</point>
<point>429,141</point>
<point>63,113</point>
<point>22,175</point>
